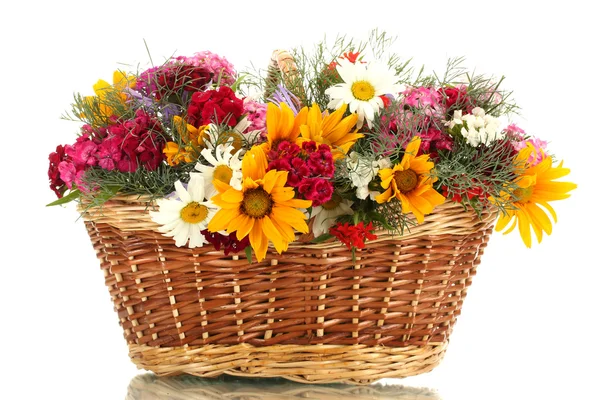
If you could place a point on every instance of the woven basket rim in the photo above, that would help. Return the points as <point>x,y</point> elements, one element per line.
<point>443,220</point>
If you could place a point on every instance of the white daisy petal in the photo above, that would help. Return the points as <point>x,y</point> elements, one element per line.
<point>180,223</point>
<point>182,192</point>
<point>196,238</point>
<point>196,187</point>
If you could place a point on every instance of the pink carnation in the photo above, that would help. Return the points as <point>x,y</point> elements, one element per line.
<point>217,65</point>
<point>423,98</point>
<point>540,149</point>
<point>256,114</point>
<point>519,141</point>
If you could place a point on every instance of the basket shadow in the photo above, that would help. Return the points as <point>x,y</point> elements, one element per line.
<point>187,387</point>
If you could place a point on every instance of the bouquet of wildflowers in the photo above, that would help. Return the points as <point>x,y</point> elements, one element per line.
<point>338,143</point>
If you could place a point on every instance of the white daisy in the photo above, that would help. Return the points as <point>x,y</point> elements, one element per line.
<point>225,167</point>
<point>362,86</point>
<point>238,136</point>
<point>326,214</point>
<point>186,214</point>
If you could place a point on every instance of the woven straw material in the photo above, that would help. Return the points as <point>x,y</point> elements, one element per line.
<point>399,292</point>
<point>151,387</point>
<point>355,364</point>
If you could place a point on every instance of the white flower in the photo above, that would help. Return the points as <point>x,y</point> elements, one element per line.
<point>478,127</point>
<point>187,214</point>
<point>237,136</point>
<point>326,213</point>
<point>362,170</point>
<point>225,167</point>
<point>456,119</point>
<point>362,86</point>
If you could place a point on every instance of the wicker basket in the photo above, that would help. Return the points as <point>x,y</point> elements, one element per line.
<point>311,314</point>
<point>151,387</point>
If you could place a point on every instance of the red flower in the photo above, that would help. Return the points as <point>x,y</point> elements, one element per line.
<point>353,236</point>
<point>433,140</point>
<point>330,72</point>
<point>309,169</point>
<point>386,101</point>
<point>56,183</point>
<point>477,190</point>
<point>165,80</point>
<point>320,161</point>
<point>456,98</point>
<point>318,190</point>
<point>220,106</point>
<point>131,144</point>
<point>229,243</point>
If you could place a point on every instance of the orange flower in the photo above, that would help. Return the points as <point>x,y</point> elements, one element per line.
<point>265,209</point>
<point>331,129</point>
<point>536,187</point>
<point>282,125</point>
<point>109,97</point>
<point>410,181</point>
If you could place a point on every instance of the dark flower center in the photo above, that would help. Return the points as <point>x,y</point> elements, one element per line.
<point>406,180</point>
<point>256,203</point>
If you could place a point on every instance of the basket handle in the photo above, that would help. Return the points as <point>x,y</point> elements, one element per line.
<point>283,69</point>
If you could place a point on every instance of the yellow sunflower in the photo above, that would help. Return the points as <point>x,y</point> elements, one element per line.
<point>536,187</point>
<point>265,209</point>
<point>410,181</point>
<point>282,125</point>
<point>331,129</point>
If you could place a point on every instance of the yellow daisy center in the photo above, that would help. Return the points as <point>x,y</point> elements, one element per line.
<point>523,195</point>
<point>406,180</point>
<point>333,202</point>
<point>363,90</point>
<point>194,213</point>
<point>256,203</point>
<point>223,173</point>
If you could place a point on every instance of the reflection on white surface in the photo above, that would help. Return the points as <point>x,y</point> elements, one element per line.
<point>186,387</point>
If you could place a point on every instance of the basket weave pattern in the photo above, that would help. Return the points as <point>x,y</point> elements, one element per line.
<point>400,294</point>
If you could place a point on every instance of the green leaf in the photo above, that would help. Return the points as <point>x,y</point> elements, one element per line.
<point>108,192</point>
<point>74,194</point>
<point>322,238</point>
<point>248,251</point>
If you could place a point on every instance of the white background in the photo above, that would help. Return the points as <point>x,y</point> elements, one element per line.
<point>529,325</point>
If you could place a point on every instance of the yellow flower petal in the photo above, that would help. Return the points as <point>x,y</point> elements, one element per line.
<point>273,234</point>
<point>221,219</point>
<point>524,228</point>
<point>290,216</point>
<point>254,164</point>
<point>385,196</point>
<point>258,240</point>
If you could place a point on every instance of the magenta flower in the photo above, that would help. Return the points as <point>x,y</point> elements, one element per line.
<point>318,190</point>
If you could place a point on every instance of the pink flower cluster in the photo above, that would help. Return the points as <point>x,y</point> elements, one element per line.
<point>520,142</point>
<point>218,66</point>
<point>257,114</point>
<point>423,98</point>
<point>310,168</point>
<point>125,146</point>
<point>421,110</point>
